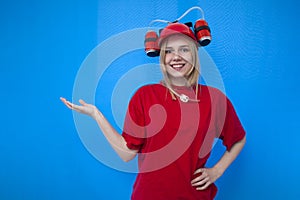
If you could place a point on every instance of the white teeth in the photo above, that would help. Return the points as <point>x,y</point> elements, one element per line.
<point>177,66</point>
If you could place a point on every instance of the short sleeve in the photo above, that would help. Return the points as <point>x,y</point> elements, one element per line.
<point>232,131</point>
<point>134,123</point>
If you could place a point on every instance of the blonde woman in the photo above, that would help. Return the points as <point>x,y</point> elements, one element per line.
<point>171,126</point>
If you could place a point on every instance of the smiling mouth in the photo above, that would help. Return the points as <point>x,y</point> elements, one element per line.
<point>177,67</point>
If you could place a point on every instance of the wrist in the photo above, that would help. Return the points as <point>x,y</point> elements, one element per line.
<point>96,114</point>
<point>219,170</point>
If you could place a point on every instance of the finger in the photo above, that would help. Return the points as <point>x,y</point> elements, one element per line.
<point>202,182</point>
<point>75,107</point>
<point>199,178</point>
<point>82,102</point>
<point>67,103</point>
<point>195,180</point>
<point>200,170</point>
<point>63,100</point>
<point>72,106</point>
<point>204,186</point>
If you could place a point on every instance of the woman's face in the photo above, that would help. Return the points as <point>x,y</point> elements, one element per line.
<point>178,59</point>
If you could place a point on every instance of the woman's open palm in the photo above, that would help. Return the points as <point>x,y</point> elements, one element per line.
<point>84,108</point>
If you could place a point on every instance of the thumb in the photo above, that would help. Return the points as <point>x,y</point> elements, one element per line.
<point>82,102</point>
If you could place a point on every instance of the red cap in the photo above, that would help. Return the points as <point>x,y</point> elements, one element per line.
<point>176,28</point>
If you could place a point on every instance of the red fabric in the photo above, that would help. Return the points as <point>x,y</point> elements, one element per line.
<point>175,138</point>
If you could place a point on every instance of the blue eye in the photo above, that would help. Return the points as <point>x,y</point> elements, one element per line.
<point>181,50</point>
<point>185,50</point>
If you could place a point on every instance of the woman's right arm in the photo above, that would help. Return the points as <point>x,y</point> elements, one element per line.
<point>115,139</point>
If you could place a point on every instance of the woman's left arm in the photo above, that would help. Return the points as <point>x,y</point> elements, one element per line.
<point>210,175</point>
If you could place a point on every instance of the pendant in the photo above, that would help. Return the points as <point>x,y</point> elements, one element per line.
<point>184,98</point>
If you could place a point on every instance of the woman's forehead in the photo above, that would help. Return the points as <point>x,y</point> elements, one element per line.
<point>178,40</point>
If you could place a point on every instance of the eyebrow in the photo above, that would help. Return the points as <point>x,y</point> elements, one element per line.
<point>179,46</point>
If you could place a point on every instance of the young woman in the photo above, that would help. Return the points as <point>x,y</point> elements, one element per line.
<point>171,126</point>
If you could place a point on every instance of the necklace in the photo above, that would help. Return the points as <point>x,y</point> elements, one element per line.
<point>184,98</point>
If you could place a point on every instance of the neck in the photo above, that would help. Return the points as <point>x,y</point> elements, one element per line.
<point>179,82</point>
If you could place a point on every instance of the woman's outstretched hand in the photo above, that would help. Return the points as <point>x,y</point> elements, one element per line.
<point>116,140</point>
<point>84,108</point>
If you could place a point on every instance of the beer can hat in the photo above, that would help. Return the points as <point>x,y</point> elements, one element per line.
<point>176,28</point>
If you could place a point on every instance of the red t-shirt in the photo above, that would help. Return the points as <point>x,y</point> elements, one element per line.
<point>175,138</point>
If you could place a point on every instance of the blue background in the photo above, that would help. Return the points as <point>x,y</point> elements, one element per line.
<point>43,43</point>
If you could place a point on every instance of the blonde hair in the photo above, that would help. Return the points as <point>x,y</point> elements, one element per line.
<point>193,75</point>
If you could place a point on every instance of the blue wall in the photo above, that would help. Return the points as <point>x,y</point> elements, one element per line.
<point>43,44</point>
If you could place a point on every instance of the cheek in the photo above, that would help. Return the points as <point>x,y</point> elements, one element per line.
<point>189,59</point>
<point>168,58</point>
<point>189,67</point>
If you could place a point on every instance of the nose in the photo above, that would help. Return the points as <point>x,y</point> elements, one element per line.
<point>176,56</point>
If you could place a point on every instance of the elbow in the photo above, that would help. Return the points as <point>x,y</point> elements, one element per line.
<point>127,154</point>
<point>129,157</point>
<point>243,140</point>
